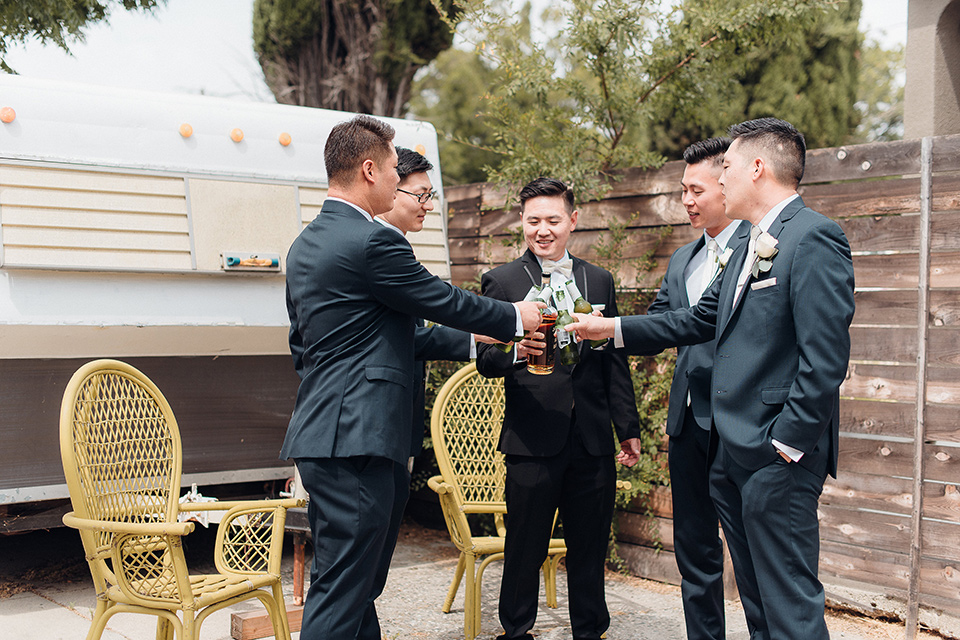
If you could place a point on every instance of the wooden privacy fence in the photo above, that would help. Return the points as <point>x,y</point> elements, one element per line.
<point>890,523</point>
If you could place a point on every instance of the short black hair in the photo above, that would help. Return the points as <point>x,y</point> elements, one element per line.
<point>786,145</point>
<point>409,161</point>
<point>710,149</point>
<point>547,187</point>
<point>352,142</point>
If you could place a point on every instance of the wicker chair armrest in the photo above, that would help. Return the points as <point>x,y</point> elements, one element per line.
<point>250,537</point>
<point>437,484</point>
<point>226,505</point>
<point>151,569</point>
<point>133,528</point>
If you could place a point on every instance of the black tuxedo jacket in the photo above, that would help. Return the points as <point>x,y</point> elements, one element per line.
<point>781,352</point>
<point>354,292</point>
<point>694,362</point>
<point>538,409</point>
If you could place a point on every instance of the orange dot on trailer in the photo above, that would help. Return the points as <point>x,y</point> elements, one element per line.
<point>236,135</point>
<point>285,139</point>
<point>7,115</point>
<point>186,130</point>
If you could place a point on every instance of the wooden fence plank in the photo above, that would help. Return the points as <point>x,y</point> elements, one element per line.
<point>946,153</point>
<point>846,199</point>
<point>882,531</point>
<point>941,500</point>
<point>881,233</point>
<point>942,463</point>
<point>886,271</point>
<point>880,382</point>
<point>853,490</point>
<point>897,307</point>
<point>943,385</point>
<point>877,569</point>
<point>883,344</point>
<point>848,163</point>
<point>633,181</point>
<point>945,307</point>
<point>877,418</point>
<point>940,540</point>
<point>942,423</point>
<point>945,270</point>
<point>944,347</point>
<point>877,457</point>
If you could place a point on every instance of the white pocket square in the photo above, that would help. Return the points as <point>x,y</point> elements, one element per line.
<point>763,284</point>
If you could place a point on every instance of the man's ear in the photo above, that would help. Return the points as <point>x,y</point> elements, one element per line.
<point>573,219</point>
<point>369,170</point>
<point>759,168</point>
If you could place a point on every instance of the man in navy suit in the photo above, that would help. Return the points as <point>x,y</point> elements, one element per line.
<point>354,291</point>
<point>781,319</point>
<point>557,438</point>
<point>692,269</point>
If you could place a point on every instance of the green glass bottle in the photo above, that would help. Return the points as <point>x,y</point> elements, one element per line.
<point>569,355</point>
<point>580,305</point>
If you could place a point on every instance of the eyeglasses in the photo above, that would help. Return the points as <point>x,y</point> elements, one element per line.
<point>421,197</point>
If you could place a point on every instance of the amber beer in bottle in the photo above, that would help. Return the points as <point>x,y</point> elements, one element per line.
<point>542,364</point>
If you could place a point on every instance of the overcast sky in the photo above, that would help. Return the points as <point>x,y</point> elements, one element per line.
<point>206,47</point>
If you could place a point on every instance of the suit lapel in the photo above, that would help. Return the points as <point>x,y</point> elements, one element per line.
<point>680,274</point>
<point>729,287</point>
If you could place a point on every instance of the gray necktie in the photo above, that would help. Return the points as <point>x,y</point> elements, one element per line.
<point>748,265</point>
<point>710,268</point>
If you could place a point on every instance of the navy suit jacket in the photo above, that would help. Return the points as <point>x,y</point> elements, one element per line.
<point>538,409</point>
<point>354,292</point>
<point>782,352</point>
<point>694,362</point>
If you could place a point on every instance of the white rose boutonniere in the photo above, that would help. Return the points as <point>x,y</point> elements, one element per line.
<point>766,251</point>
<point>725,258</point>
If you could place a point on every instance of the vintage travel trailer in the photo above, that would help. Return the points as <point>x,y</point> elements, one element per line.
<point>154,228</point>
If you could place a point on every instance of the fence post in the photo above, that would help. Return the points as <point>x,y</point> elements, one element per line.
<point>919,434</point>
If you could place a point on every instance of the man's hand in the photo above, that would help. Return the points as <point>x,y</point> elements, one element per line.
<point>530,314</point>
<point>589,327</point>
<point>532,345</point>
<point>629,452</point>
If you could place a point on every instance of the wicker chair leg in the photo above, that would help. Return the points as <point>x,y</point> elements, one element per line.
<point>278,614</point>
<point>164,629</point>
<point>457,576</point>
<point>100,617</point>
<point>470,626</point>
<point>550,580</point>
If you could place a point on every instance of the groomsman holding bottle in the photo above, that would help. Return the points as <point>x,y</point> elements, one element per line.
<point>781,319</point>
<point>692,269</point>
<point>557,435</point>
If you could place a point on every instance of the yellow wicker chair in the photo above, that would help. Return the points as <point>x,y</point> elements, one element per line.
<point>465,427</point>
<point>121,454</point>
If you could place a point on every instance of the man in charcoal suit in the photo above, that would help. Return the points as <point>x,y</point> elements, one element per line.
<point>693,267</point>
<point>781,318</point>
<point>557,435</point>
<point>354,290</point>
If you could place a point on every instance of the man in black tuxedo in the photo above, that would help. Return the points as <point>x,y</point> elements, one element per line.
<point>557,435</point>
<point>781,319</point>
<point>693,267</point>
<point>354,290</point>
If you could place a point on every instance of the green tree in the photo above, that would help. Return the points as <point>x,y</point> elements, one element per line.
<point>451,97</point>
<point>600,83</point>
<point>60,22</point>
<point>347,54</point>
<point>810,77</point>
<point>880,99</point>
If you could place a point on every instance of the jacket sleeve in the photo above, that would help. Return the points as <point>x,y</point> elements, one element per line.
<point>492,362</point>
<point>441,343</point>
<point>400,282</point>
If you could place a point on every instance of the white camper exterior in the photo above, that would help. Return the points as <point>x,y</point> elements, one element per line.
<point>154,228</point>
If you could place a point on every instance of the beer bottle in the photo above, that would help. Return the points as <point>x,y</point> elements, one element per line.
<point>568,348</point>
<point>580,305</point>
<point>542,364</point>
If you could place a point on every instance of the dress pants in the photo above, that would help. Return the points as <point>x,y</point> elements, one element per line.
<point>696,532</point>
<point>582,486</point>
<point>769,517</point>
<point>355,509</point>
